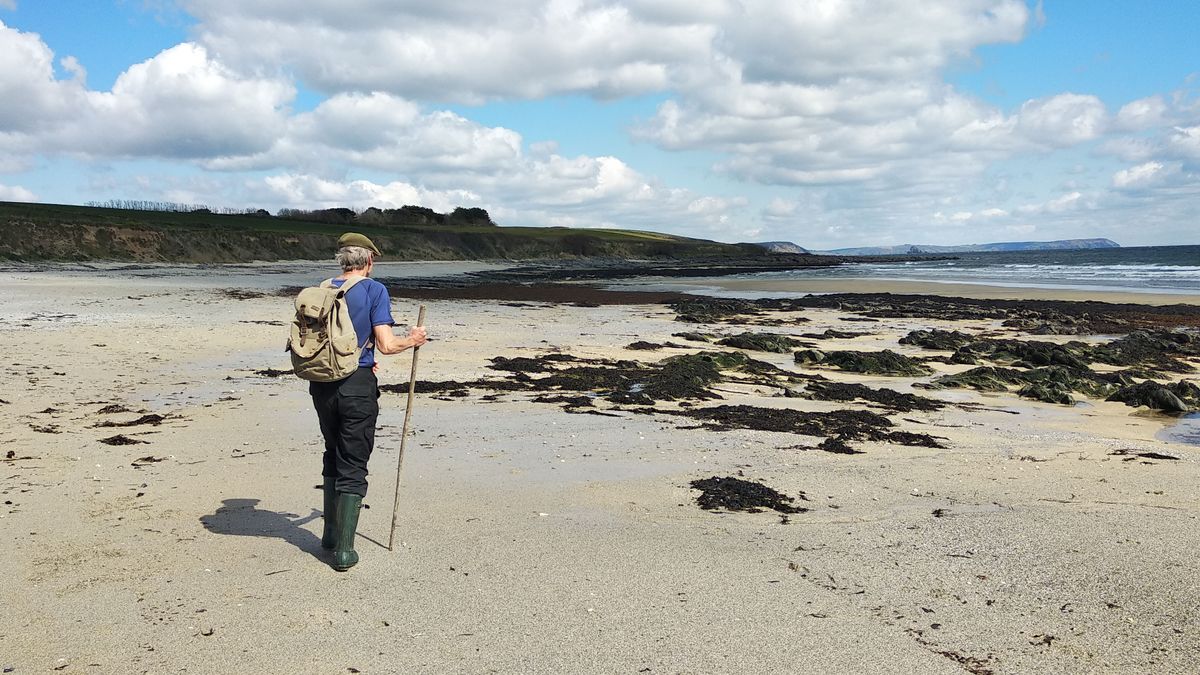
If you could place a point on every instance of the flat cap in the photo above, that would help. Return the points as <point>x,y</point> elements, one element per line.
<point>356,239</point>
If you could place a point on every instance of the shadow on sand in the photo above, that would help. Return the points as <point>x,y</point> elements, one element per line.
<point>242,517</point>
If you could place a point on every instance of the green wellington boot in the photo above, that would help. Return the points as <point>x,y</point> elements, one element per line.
<point>345,524</point>
<point>330,515</point>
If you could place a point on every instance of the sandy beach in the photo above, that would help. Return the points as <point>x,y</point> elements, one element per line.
<point>1040,539</point>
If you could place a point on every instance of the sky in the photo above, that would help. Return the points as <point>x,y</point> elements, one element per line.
<point>828,123</point>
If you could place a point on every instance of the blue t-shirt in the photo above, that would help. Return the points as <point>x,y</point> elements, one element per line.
<point>369,306</point>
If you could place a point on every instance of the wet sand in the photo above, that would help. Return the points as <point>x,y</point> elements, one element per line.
<point>537,540</point>
<point>961,290</point>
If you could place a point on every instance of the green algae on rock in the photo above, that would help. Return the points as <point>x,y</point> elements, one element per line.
<point>885,362</point>
<point>762,342</point>
<point>850,391</point>
<point>1052,384</point>
<point>1176,397</point>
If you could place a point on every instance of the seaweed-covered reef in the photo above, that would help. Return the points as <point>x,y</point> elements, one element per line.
<point>1052,372</point>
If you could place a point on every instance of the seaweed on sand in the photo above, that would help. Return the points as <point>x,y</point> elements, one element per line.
<point>151,419</point>
<point>1053,384</point>
<point>677,378</point>
<point>121,439</point>
<point>735,494</point>
<point>885,362</point>
<point>528,364</point>
<point>1177,397</point>
<point>947,340</point>
<point>762,342</point>
<point>848,391</point>
<point>831,334</point>
<point>684,377</point>
<point>854,425</point>
<point>1157,350</point>
<point>723,310</point>
<point>1045,317</point>
<point>1160,350</point>
<point>695,336</point>
<point>642,345</point>
<point>1024,353</point>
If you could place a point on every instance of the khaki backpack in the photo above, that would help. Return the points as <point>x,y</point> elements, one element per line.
<point>323,343</point>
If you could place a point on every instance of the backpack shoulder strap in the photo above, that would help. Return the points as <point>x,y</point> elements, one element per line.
<point>349,283</point>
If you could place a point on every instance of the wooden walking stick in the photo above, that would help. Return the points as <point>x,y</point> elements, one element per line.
<point>412,387</point>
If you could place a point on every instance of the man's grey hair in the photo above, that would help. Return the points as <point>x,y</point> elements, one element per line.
<point>353,257</point>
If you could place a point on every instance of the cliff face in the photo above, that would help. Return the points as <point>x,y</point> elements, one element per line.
<point>46,232</point>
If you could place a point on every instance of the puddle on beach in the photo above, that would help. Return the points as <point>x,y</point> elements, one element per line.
<point>1186,431</point>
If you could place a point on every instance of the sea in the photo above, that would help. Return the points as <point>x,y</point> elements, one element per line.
<point>1144,269</point>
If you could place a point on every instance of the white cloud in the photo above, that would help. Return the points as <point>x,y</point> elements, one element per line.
<point>1138,176</point>
<point>1184,142</point>
<point>33,98</point>
<point>1061,204</point>
<point>458,51</point>
<point>779,209</point>
<point>304,191</point>
<point>1142,114</point>
<point>383,132</point>
<point>844,105</point>
<point>1063,120</point>
<point>180,103</point>
<point>16,193</point>
<point>823,42</point>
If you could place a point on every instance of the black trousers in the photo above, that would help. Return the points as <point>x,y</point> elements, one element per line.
<point>347,410</point>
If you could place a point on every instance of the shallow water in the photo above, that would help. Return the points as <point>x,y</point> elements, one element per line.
<point>1186,430</point>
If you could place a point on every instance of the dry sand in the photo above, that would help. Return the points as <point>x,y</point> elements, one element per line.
<point>539,541</point>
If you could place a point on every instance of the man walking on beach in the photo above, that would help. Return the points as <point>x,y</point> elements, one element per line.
<point>347,409</point>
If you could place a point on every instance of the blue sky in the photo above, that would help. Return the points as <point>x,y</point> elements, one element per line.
<point>819,123</point>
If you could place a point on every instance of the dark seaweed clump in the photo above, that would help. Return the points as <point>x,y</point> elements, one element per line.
<point>684,377</point>
<point>848,391</point>
<point>114,409</point>
<point>885,362</point>
<point>695,336</point>
<point>831,334</point>
<point>735,494</point>
<point>1177,397</point>
<point>1160,350</point>
<point>120,439</point>
<point>845,425</point>
<point>1044,317</point>
<point>721,310</point>
<point>1053,384</point>
<point>1157,350</point>
<point>530,364</point>
<point>762,342</point>
<point>642,345</point>
<point>272,372</point>
<point>948,340</point>
<point>1054,372</point>
<point>150,419</point>
<point>1023,353</point>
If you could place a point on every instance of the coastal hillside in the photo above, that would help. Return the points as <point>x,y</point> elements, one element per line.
<point>37,232</point>
<point>918,249</point>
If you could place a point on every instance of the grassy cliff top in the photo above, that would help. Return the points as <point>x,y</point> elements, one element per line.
<point>62,232</point>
